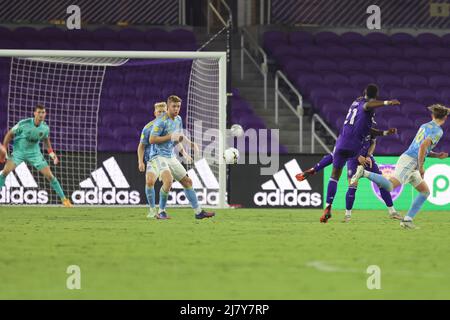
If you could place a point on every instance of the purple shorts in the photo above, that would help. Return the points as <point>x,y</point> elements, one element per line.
<point>352,164</point>
<point>341,156</point>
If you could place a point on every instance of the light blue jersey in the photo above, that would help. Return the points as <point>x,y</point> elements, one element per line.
<point>162,126</point>
<point>145,136</point>
<point>428,130</point>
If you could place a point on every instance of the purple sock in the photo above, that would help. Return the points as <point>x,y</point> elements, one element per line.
<point>325,162</point>
<point>331,191</point>
<point>350,198</point>
<point>386,195</point>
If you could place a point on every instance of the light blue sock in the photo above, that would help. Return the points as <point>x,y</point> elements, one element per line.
<point>381,181</point>
<point>417,204</point>
<point>150,193</point>
<point>192,197</point>
<point>57,187</point>
<point>162,199</point>
<point>2,180</point>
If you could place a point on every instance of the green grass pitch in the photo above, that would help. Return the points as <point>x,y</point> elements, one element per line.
<point>240,254</point>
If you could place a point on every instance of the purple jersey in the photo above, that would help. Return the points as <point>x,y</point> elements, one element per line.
<point>356,127</point>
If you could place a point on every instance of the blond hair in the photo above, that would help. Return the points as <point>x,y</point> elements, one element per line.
<point>174,99</point>
<point>439,111</point>
<point>160,105</point>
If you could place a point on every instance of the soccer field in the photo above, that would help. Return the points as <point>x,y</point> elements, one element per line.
<point>240,254</point>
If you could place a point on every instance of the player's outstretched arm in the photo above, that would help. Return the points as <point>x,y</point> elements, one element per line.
<point>377,133</point>
<point>374,104</point>
<point>51,153</point>
<point>440,155</point>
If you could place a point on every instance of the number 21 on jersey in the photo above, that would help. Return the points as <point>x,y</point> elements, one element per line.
<point>351,115</point>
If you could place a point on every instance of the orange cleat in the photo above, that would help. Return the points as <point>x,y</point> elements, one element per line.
<point>66,203</point>
<point>326,214</point>
<point>304,175</point>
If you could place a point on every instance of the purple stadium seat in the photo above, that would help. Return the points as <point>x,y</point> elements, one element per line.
<point>279,52</point>
<point>335,51</point>
<point>376,65</point>
<point>333,79</point>
<point>79,35</point>
<point>427,96</point>
<point>446,40</point>
<point>413,80</point>
<point>438,53</point>
<point>377,38</point>
<point>390,52</point>
<point>105,34</point>
<point>300,38</point>
<point>52,33</point>
<point>114,120</point>
<point>398,122</point>
<point>125,131</point>
<point>400,94</point>
<point>351,66</point>
<point>407,135</point>
<point>311,51</point>
<point>353,38</point>
<point>428,40</point>
<point>420,121</point>
<point>325,65</point>
<point>439,81</point>
<point>388,80</point>
<point>326,38</point>
<point>361,51</point>
<point>402,66</point>
<point>402,38</point>
<point>156,34</point>
<point>361,81</point>
<point>429,66</point>
<point>348,95</point>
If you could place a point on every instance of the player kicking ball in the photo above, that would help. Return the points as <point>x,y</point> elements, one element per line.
<point>145,153</point>
<point>409,167</point>
<point>365,158</point>
<point>356,128</point>
<point>27,134</point>
<point>165,135</point>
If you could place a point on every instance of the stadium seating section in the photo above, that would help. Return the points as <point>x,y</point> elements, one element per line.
<point>129,92</point>
<point>331,70</point>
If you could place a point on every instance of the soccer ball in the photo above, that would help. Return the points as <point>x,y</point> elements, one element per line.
<point>236,130</point>
<point>2,153</point>
<point>231,155</point>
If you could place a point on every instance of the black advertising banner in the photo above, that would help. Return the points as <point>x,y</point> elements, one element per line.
<point>251,189</point>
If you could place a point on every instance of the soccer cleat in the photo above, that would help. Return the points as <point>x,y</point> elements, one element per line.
<point>407,224</point>
<point>162,216</point>
<point>358,174</point>
<point>66,203</point>
<point>347,218</point>
<point>151,214</point>
<point>304,175</point>
<point>326,215</point>
<point>395,215</point>
<point>203,214</point>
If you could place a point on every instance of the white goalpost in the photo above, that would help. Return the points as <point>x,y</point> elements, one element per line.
<point>69,84</point>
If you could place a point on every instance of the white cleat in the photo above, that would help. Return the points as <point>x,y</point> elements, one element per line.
<point>358,174</point>
<point>151,214</point>
<point>396,216</point>
<point>347,218</point>
<point>407,224</point>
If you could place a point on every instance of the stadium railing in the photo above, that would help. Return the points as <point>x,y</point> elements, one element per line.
<point>297,110</point>
<point>315,136</point>
<point>256,55</point>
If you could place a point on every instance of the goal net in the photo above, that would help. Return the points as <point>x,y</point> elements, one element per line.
<point>71,86</point>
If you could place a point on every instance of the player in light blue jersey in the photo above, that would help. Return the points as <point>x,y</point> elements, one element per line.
<point>145,153</point>
<point>409,167</point>
<point>166,134</point>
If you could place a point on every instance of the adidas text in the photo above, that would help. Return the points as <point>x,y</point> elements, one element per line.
<point>204,197</point>
<point>291,198</point>
<point>111,196</point>
<point>20,196</point>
